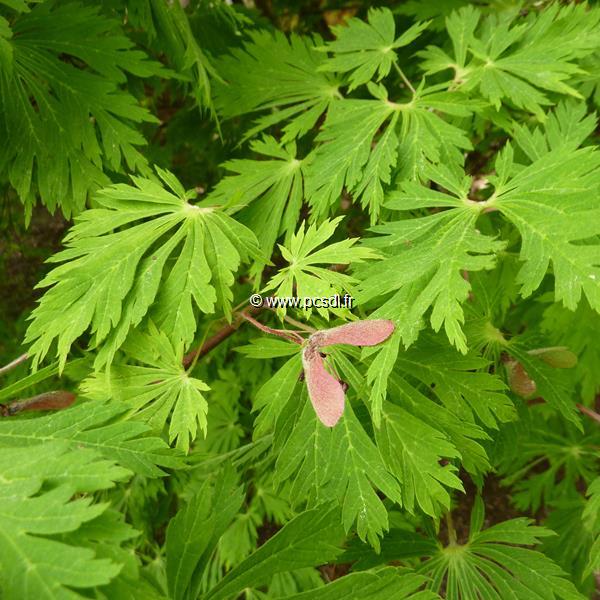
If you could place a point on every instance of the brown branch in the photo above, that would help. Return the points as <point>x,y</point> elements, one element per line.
<point>592,414</point>
<point>54,400</point>
<point>15,363</point>
<point>212,342</point>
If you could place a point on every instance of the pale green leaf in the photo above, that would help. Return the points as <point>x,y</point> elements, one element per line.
<point>54,72</point>
<point>114,268</point>
<point>364,141</point>
<point>195,530</point>
<point>35,564</point>
<point>258,187</point>
<point>427,256</point>
<point>272,71</point>
<point>156,389</point>
<point>367,48</point>
<point>591,517</point>
<point>274,394</point>
<point>412,451</point>
<point>496,564</point>
<point>309,539</point>
<point>386,584</point>
<point>343,463</point>
<point>517,62</point>
<point>550,203</point>
<point>97,426</point>
<point>303,278</point>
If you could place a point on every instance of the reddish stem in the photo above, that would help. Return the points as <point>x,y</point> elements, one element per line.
<point>292,336</point>
<point>46,401</point>
<point>592,414</point>
<point>220,336</point>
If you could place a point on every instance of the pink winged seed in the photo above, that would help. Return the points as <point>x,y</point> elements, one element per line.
<point>359,333</point>
<point>325,391</point>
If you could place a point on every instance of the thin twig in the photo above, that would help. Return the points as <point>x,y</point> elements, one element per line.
<point>15,363</point>
<point>212,342</point>
<point>299,325</point>
<point>192,364</point>
<point>451,530</point>
<point>245,315</point>
<point>291,336</point>
<point>404,78</point>
<point>592,414</point>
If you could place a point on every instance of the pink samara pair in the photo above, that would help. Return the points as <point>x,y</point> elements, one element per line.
<point>326,392</point>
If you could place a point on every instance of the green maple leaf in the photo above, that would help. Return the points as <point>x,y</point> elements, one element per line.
<point>110,280</point>
<point>382,584</point>
<point>367,48</point>
<point>426,256</point>
<point>442,422</point>
<point>36,490</point>
<point>364,143</point>
<point>567,126</point>
<point>195,530</point>
<point>548,465</point>
<point>170,29</point>
<point>591,518</point>
<point>343,158</point>
<point>48,69</point>
<point>412,451</point>
<point>445,426</point>
<point>461,383</point>
<point>302,277</point>
<point>339,463</point>
<point>495,564</point>
<point>97,426</point>
<point>449,420</point>
<point>184,51</point>
<point>274,394</point>
<point>549,203</point>
<point>272,71</point>
<point>274,186</point>
<point>449,393</point>
<point>519,62</point>
<point>158,388</point>
<point>309,539</point>
<point>574,541</point>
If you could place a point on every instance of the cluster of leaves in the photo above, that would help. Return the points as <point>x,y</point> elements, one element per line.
<point>440,164</point>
